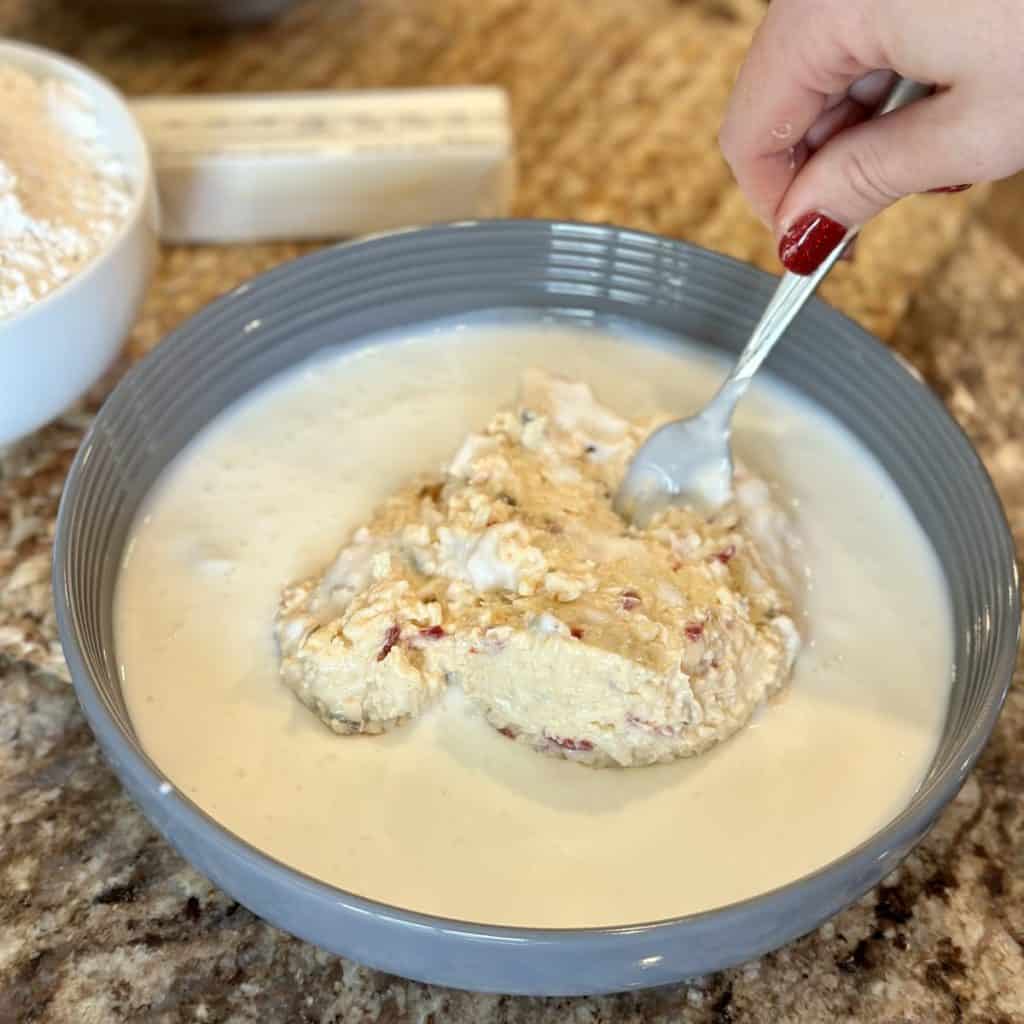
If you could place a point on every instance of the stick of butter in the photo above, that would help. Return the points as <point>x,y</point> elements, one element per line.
<point>249,168</point>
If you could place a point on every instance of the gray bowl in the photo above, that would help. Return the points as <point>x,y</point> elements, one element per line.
<point>596,274</point>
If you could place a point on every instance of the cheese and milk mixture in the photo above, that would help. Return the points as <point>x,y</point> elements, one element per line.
<point>414,538</point>
<point>511,576</point>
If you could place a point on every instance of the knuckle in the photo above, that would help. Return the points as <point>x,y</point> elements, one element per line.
<point>866,173</point>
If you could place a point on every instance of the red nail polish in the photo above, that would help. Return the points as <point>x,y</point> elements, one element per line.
<point>951,188</point>
<point>809,240</point>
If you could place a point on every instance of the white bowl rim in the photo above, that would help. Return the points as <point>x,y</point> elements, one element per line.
<point>141,174</point>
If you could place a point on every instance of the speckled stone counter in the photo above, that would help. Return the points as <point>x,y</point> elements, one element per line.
<point>614,107</point>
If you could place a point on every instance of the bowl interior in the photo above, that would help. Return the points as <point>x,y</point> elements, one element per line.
<point>584,274</point>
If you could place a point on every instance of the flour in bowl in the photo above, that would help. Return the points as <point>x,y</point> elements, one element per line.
<point>63,193</point>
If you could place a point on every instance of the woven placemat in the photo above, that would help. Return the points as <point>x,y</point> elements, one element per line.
<point>615,108</point>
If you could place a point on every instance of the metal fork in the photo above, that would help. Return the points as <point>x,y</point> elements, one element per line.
<point>690,460</point>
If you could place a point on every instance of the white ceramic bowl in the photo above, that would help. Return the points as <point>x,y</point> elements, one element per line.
<point>53,351</point>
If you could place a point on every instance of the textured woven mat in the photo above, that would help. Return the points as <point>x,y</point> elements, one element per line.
<point>615,103</point>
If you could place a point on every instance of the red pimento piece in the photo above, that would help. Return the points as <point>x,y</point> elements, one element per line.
<point>570,744</point>
<point>507,730</point>
<point>432,633</point>
<point>694,631</point>
<point>643,723</point>
<point>576,632</point>
<point>391,638</point>
<point>725,555</point>
<point>630,600</point>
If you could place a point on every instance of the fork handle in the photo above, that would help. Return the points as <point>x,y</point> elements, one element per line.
<point>795,289</point>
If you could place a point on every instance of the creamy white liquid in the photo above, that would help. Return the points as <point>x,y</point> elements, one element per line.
<point>445,816</point>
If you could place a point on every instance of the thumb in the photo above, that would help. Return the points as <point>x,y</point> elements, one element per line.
<point>930,144</point>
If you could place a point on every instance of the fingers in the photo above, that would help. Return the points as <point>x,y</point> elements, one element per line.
<point>928,145</point>
<point>804,58</point>
<point>799,135</point>
<point>860,103</point>
<point>870,90</point>
<point>843,115</point>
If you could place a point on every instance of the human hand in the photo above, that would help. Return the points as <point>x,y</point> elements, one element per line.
<point>797,136</point>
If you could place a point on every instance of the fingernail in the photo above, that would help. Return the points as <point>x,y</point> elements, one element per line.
<point>809,240</point>
<point>951,188</point>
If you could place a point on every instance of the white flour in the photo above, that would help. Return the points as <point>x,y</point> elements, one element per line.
<point>63,193</point>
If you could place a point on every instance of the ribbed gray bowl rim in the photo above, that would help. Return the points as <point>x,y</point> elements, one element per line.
<point>609,275</point>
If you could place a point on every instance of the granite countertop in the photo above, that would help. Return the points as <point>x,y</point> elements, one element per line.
<point>614,107</point>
